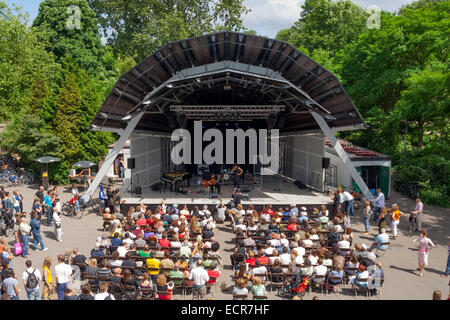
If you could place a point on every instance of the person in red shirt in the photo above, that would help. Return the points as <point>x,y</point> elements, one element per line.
<point>164,242</point>
<point>141,221</point>
<point>269,209</point>
<point>251,258</point>
<point>292,225</point>
<point>213,273</point>
<point>262,259</point>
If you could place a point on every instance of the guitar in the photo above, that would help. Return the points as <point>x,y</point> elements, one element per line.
<point>208,183</point>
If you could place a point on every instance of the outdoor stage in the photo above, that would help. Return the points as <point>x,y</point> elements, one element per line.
<point>271,192</point>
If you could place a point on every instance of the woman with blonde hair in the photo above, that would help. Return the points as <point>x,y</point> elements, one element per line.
<point>49,288</point>
<point>164,287</point>
<point>395,220</point>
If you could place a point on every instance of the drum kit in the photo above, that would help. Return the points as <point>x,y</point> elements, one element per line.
<point>226,175</point>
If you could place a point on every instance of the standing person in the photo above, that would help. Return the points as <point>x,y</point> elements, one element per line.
<point>36,232</point>
<point>17,201</point>
<point>109,196</point>
<point>447,271</point>
<point>25,231</point>
<point>8,203</point>
<point>367,212</point>
<point>48,207</point>
<point>49,289</point>
<point>121,167</point>
<point>379,203</point>
<point>58,227</point>
<point>62,272</point>
<point>31,279</point>
<point>117,167</point>
<point>425,245</point>
<point>382,219</point>
<point>40,194</point>
<point>349,200</point>
<point>102,197</point>
<point>200,277</point>
<point>395,220</point>
<point>10,285</point>
<point>418,212</point>
<point>37,208</point>
<point>237,172</point>
<point>335,197</point>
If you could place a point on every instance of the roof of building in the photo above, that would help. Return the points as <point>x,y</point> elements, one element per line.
<point>356,153</point>
<point>228,68</point>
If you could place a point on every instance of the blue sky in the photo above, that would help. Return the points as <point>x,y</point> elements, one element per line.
<point>267,16</point>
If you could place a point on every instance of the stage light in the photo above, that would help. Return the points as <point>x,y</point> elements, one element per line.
<point>170,86</point>
<point>198,80</point>
<point>126,118</point>
<point>147,102</point>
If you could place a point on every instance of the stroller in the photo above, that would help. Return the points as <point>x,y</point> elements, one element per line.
<point>6,225</point>
<point>297,287</point>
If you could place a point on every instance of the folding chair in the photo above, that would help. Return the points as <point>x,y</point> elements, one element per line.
<point>259,297</point>
<point>131,292</point>
<point>116,290</point>
<point>332,284</point>
<point>93,282</point>
<point>146,294</point>
<point>321,283</point>
<point>178,284</point>
<point>276,284</point>
<point>240,296</point>
<point>359,289</point>
<point>379,252</point>
<point>188,284</point>
<point>212,285</point>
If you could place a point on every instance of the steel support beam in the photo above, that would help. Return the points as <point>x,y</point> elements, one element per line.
<point>126,133</point>
<point>329,133</point>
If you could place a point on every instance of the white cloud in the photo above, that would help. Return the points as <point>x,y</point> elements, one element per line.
<point>268,17</point>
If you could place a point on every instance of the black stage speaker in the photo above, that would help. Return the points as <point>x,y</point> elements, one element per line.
<point>214,195</point>
<point>325,163</point>
<point>131,164</point>
<point>138,190</point>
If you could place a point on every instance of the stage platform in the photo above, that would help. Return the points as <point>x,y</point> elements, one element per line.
<point>271,191</point>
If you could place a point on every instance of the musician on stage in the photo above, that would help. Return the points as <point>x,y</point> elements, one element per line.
<point>214,183</point>
<point>237,172</point>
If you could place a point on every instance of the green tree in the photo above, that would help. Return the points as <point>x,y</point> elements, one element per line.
<point>67,120</point>
<point>69,29</point>
<point>22,56</point>
<point>425,99</point>
<point>327,25</point>
<point>24,136</point>
<point>137,28</point>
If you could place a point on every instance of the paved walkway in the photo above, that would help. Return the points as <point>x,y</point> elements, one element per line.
<point>399,263</point>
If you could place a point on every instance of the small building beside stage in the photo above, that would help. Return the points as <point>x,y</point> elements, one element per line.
<point>374,167</point>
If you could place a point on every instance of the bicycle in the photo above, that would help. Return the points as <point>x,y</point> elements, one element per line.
<point>69,209</point>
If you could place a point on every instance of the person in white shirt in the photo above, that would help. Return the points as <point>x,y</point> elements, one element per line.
<point>241,225</point>
<point>123,249</point>
<point>104,295</point>
<point>25,231</point>
<point>35,292</point>
<point>343,244</point>
<point>259,270</point>
<point>269,250</point>
<point>205,210</point>
<point>63,273</point>
<point>320,270</point>
<point>283,241</point>
<point>58,226</point>
<point>199,276</point>
<point>348,199</point>
<point>285,257</point>
<point>300,249</point>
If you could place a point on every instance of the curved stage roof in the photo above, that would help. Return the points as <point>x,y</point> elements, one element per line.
<point>261,78</point>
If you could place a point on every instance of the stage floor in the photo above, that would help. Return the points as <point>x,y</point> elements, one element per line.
<point>271,192</point>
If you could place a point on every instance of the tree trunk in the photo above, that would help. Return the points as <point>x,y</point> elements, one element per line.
<point>420,135</point>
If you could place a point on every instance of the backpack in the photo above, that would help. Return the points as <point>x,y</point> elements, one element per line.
<point>32,281</point>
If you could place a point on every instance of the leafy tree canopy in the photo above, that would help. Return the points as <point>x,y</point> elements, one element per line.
<point>137,28</point>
